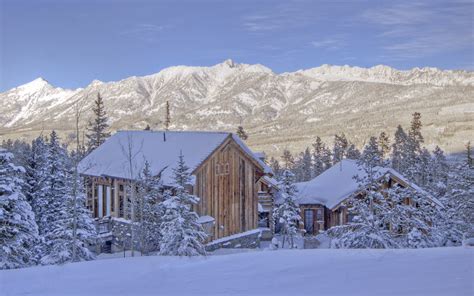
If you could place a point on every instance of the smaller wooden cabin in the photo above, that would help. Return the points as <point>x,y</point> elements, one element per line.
<point>321,200</point>
<point>226,175</point>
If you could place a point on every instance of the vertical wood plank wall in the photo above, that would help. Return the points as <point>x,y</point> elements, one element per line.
<point>227,195</point>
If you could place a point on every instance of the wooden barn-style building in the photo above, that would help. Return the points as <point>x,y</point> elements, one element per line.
<point>321,200</point>
<point>226,175</point>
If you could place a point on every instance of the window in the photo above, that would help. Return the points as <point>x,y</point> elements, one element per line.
<point>121,187</point>
<point>319,215</point>
<point>309,221</point>
<point>222,169</point>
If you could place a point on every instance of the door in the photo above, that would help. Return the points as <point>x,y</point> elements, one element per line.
<point>309,221</point>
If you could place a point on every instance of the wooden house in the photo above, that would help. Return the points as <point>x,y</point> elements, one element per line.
<point>321,200</point>
<point>226,175</point>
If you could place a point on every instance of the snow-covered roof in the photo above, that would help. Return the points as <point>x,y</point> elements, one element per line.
<point>337,184</point>
<point>110,159</point>
<point>270,181</point>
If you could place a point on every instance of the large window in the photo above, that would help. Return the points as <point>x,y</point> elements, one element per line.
<point>309,221</point>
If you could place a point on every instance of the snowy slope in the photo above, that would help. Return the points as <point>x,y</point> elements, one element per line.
<point>440,271</point>
<point>278,110</point>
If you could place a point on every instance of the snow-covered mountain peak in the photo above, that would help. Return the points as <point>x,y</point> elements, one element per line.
<point>386,74</point>
<point>34,86</point>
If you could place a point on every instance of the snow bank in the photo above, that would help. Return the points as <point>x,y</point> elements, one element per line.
<point>440,271</point>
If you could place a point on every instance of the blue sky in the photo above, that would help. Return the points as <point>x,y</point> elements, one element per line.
<point>70,43</point>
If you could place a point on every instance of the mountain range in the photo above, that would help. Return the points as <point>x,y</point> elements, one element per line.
<point>278,111</point>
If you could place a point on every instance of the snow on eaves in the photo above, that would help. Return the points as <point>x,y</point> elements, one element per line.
<point>337,184</point>
<point>110,159</point>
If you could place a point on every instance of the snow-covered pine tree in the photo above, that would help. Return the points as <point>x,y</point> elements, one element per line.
<point>368,228</point>
<point>276,168</point>
<point>182,234</point>
<point>411,222</point>
<point>288,160</point>
<point>422,169</point>
<point>18,229</point>
<point>57,220</point>
<point>459,200</point>
<point>439,173</point>
<point>150,213</point>
<point>352,152</point>
<point>384,145</point>
<point>241,133</point>
<point>35,176</point>
<point>287,214</point>
<point>319,163</point>
<point>340,148</point>
<point>97,130</point>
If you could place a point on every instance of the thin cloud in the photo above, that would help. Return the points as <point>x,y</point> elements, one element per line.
<point>292,14</point>
<point>329,43</point>
<point>416,29</point>
<point>144,32</point>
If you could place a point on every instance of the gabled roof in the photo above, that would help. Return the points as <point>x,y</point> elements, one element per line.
<point>337,184</point>
<point>110,158</point>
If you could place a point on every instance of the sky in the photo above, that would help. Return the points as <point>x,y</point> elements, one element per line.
<point>70,43</point>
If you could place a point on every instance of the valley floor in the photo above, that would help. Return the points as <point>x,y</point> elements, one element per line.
<point>439,271</point>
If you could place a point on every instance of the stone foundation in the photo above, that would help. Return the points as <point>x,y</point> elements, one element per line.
<point>245,240</point>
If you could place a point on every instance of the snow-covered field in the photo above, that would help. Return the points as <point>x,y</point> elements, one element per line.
<point>440,271</point>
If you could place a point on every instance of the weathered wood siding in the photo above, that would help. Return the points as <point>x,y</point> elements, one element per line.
<point>226,185</point>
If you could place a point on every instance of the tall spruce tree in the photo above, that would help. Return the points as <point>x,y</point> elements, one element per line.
<point>98,129</point>
<point>287,214</point>
<point>57,222</point>
<point>340,148</point>
<point>167,116</point>
<point>384,145</point>
<point>319,163</point>
<point>288,160</point>
<point>18,229</point>
<point>400,154</point>
<point>353,152</point>
<point>303,166</point>
<point>182,234</point>
<point>149,188</point>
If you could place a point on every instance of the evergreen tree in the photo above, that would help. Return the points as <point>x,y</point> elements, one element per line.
<point>368,228</point>
<point>340,148</point>
<point>288,212</point>
<point>275,165</point>
<point>57,220</point>
<point>241,133</point>
<point>18,229</point>
<point>439,173</point>
<point>400,156</point>
<point>415,130</point>
<point>167,116</point>
<point>97,130</point>
<point>150,213</point>
<point>319,163</point>
<point>384,145</point>
<point>288,160</point>
<point>182,234</point>
<point>35,175</point>
<point>303,166</point>
<point>459,199</point>
<point>353,152</point>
